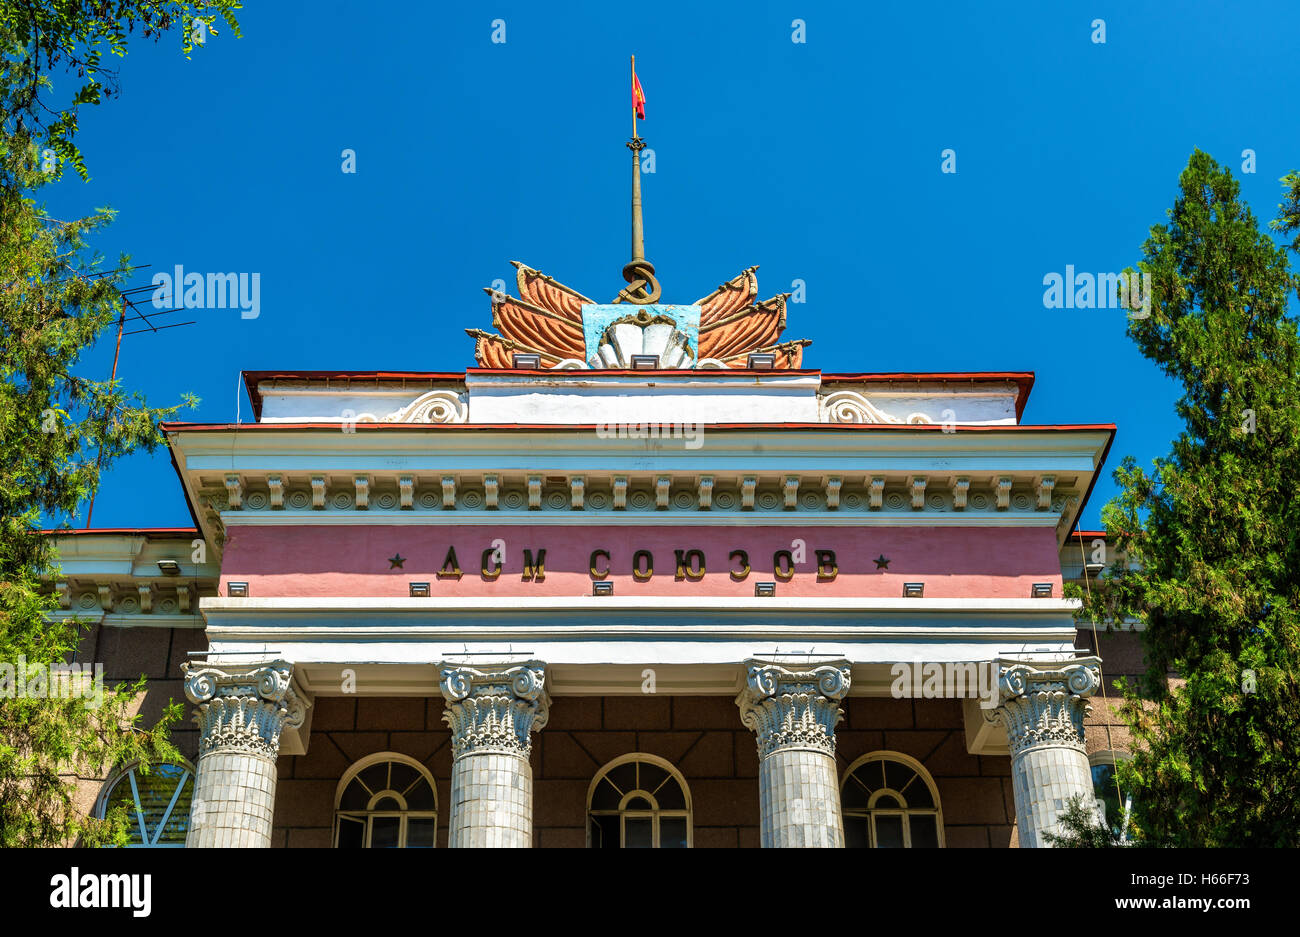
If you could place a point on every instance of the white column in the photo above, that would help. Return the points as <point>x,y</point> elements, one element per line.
<point>793,715</point>
<point>1043,708</point>
<point>241,712</point>
<point>492,714</point>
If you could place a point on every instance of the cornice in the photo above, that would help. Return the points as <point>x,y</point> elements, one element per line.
<point>842,441</point>
<point>674,615</point>
<point>570,518</point>
<point>839,469</point>
<point>127,601</point>
<point>694,644</point>
<point>1032,496</point>
<point>666,642</point>
<point>193,622</point>
<point>1002,625</point>
<point>739,604</point>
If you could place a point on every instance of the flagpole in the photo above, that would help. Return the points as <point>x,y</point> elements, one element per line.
<point>638,238</point>
<point>639,273</point>
<point>638,241</point>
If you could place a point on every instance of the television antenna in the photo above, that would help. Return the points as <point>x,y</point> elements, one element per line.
<point>144,317</point>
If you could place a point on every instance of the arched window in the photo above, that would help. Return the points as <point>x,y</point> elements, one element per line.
<point>157,803</point>
<point>638,801</point>
<point>386,801</point>
<point>1114,809</point>
<point>889,801</point>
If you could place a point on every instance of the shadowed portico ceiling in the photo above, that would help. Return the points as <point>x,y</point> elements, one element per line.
<point>547,320</point>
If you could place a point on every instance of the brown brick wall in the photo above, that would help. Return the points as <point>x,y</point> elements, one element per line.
<point>701,736</point>
<point>1121,655</point>
<point>157,654</point>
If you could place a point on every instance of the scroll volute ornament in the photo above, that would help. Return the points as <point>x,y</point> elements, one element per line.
<point>1044,704</point>
<point>495,710</point>
<point>849,406</point>
<point>436,406</point>
<point>243,707</point>
<point>793,708</point>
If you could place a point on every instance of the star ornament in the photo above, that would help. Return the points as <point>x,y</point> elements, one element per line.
<point>882,562</point>
<point>395,562</point>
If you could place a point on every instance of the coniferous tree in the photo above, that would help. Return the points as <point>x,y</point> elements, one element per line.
<point>1211,536</point>
<point>59,429</point>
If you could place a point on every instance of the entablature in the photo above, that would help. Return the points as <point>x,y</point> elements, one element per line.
<point>604,645</point>
<point>575,475</point>
<point>121,577</point>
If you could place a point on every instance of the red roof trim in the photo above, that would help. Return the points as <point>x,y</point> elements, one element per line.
<point>354,375</point>
<point>570,427</point>
<point>934,376</point>
<point>623,372</point>
<point>160,532</point>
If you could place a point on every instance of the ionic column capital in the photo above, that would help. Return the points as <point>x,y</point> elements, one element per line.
<point>243,707</point>
<point>495,710</point>
<point>793,709</point>
<point>1044,703</point>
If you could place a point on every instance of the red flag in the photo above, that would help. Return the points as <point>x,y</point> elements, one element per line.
<point>638,96</point>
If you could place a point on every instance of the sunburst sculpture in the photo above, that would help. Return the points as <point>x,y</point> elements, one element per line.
<point>547,321</point>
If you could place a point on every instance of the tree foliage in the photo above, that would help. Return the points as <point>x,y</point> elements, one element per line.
<point>46,36</point>
<point>58,429</point>
<point>1080,828</point>
<point>1211,535</point>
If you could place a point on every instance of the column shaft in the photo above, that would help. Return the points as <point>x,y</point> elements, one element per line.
<point>793,715</point>
<point>241,711</point>
<point>234,801</point>
<point>800,800</point>
<point>492,715</point>
<point>492,801</point>
<point>1043,708</point>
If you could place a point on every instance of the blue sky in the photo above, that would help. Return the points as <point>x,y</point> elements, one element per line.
<point>817,160</point>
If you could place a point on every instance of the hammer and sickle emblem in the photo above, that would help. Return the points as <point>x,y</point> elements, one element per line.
<point>642,286</point>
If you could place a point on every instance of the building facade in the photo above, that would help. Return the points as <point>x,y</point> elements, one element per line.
<point>639,578</point>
